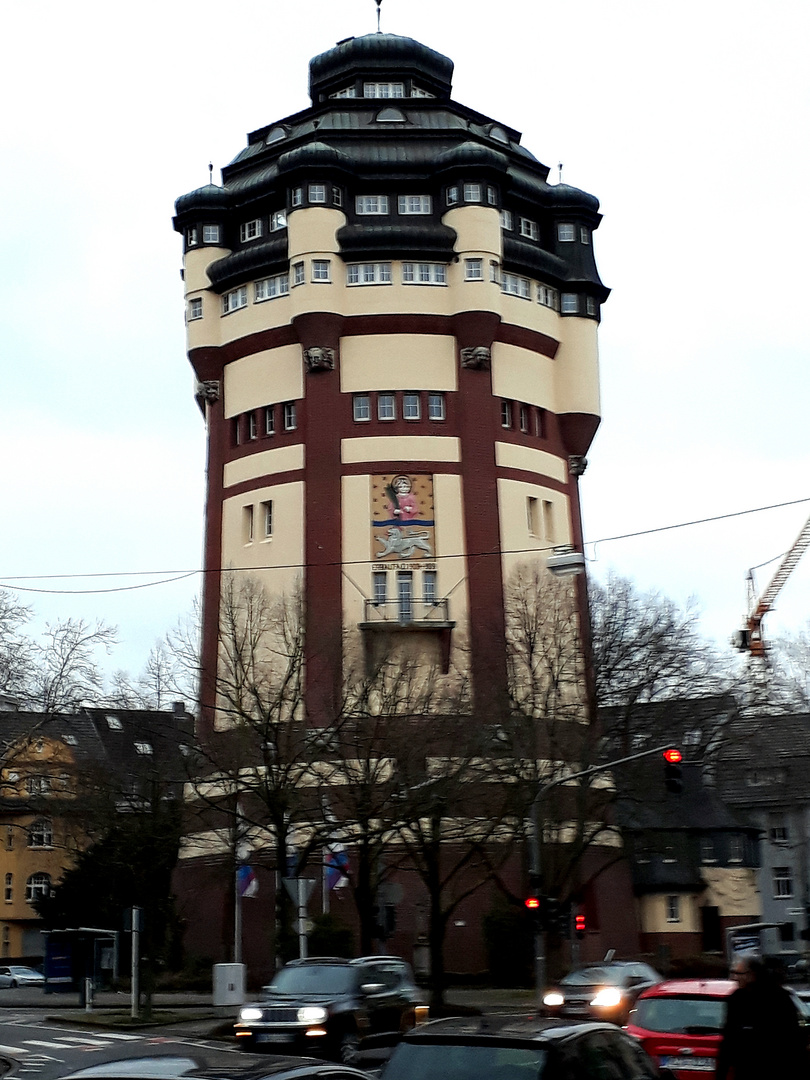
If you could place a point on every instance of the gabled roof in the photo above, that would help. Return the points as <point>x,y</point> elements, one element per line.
<point>765,760</point>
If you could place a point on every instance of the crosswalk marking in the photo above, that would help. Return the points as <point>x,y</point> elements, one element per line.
<point>83,1041</point>
<point>121,1035</point>
<point>48,1045</point>
<point>13,1050</point>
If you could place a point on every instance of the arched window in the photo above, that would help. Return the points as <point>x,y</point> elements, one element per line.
<point>37,887</point>
<point>40,834</point>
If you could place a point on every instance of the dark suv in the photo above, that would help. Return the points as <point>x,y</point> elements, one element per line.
<point>332,1006</point>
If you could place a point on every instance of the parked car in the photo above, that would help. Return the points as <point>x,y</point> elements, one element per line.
<point>604,991</point>
<point>173,1067</point>
<point>516,1048</point>
<point>19,975</point>
<point>679,1023</point>
<point>334,1007</point>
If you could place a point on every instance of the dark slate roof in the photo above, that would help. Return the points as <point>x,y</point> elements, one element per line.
<point>644,803</point>
<point>765,760</point>
<point>379,54</point>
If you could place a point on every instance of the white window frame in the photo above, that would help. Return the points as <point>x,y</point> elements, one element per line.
<point>471,192</point>
<point>492,195</point>
<point>507,220</point>
<point>212,234</point>
<point>506,413</point>
<point>40,834</point>
<point>143,748</point>
<point>361,408</point>
<point>369,274</point>
<point>451,195</point>
<point>278,220</point>
<point>269,419</point>
<point>316,193</point>
<point>253,427</point>
<point>436,407</point>
<point>267,519</point>
<point>782,882</point>
<point>271,287</point>
<point>195,308</point>
<point>191,237</point>
<point>430,587</point>
<point>250,230</point>
<point>370,205</point>
<point>405,596</point>
<point>299,275</point>
<point>290,416</point>
<point>590,306</point>
<point>516,285</point>
<point>569,303</point>
<point>296,197</point>
<point>473,269</point>
<point>386,406</point>
<point>528,228</point>
<point>37,887</point>
<point>584,235</point>
<point>383,89</point>
<point>414,204</point>
<point>424,273</point>
<point>321,270</point>
<point>566,232</point>
<point>548,297</point>
<point>735,849</point>
<point>248,523</point>
<point>411,405</point>
<point>234,300</point>
<point>337,196</point>
<point>379,587</point>
<point>673,905</point>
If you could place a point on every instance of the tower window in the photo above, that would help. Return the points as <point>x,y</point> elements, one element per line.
<point>506,413</point>
<point>473,269</point>
<point>337,197</point>
<point>267,518</point>
<point>298,273</point>
<point>297,197</point>
<point>451,195</point>
<point>368,274</point>
<point>37,887</point>
<point>278,220</point>
<point>590,305</point>
<point>411,407</point>
<point>320,270</point>
<point>569,303</point>
<point>424,273</point>
<point>472,192</point>
<point>317,193</point>
<point>211,234</point>
<point>414,204</point>
<point>566,232</point>
<point>269,288</point>
<point>235,299</point>
<point>584,235</point>
<point>371,204</point>
<point>524,419</point>
<point>506,220</point>
<point>673,909</point>
<point>379,586</point>
<point>782,882</point>
<point>191,237</point>
<point>289,416</point>
<point>528,228</point>
<point>386,407</point>
<point>515,285</point>
<point>383,90</point>
<point>253,427</point>
<point>361,406</point>
<point>247,524</point>
<point>270,420</point>
<point>435,406</point>
<point>8,895</point>
<point>492,195</point>
<point>195,308</point>
<point>250,230</point>
<point>548,297</point>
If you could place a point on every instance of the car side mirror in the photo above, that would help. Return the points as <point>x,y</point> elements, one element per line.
<point>372,988</point>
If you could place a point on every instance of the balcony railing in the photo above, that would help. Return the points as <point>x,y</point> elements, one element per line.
<point>428,613</point>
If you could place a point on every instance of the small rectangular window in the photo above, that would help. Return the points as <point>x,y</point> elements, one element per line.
<point>269,288</point>
<point>494,271</point>
<point>383,89</point>
<point>278,220</point>
<point>590,305</point>
<point>386,407</point>
<point>528,228</point>
<point>210,234</point>
<point>548,297</point>
<point>253,427</point>
<point>524,419</point>
<point>492,195</point>
<point>473,269</point>
<point>566,232</point>
<point>195,308</point>
<point>782,882</point>
<point>778,830</point>
<point>289,416</point>
<point>337,196</point>
<point>451,195</point>
<point>361,407</point>
<point>424,274</point>
<point>191,237</point>
<point>569,303</point>
<point>250,230</point>
<point>548,519</point>
<point>539,423</point>
<point>506,413</point>
<point>414,204</point>
<point>707,854</point>
<point>371,204</point>
<point>247,524</point>
<point>320,270</point>
<point>506,220</point>
<point>405,595</point>
<point>735,849</point>
<point>515,285</point>
<point>368,274</point>
<point>472,193</point>
<point>297,197</point>
<point>429,590</point>
<point>584,235</point>
<point>298,274</point>
<point>436,406</point>
<point>411,407</point>
<point>267,518</point>
<point>379,585</point>
<point>673,909</point>
<point>317,193</point>
<point>235,299</point>
<point>270,420</point>
<point>533,515</point>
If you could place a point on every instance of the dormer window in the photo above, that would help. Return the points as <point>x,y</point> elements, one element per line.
<point>143,748</point>
<point>383,90</point>
<point>210,234</point>
<point>276,134</point>
<point>371,204</point>
<point>113,723</point>
<point>390,115</point>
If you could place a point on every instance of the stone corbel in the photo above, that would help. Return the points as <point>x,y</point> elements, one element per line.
<point>577,464</point>
<point>476,357</point>
<point>318,358</point>
<point>208,390</point>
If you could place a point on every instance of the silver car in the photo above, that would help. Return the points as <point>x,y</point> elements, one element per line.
<point>19,975</point>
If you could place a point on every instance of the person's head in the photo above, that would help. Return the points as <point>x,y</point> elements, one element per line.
<point>747,970</point>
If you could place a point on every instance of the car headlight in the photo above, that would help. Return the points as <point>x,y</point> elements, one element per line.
<point>250,1013</point>
<point>553,998</point>
<point>312,1014</point>
<point>607,998</point>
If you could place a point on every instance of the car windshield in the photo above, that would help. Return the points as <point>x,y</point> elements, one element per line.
<point>681,1015</point>
<point>315,979</point>
<point>440,1061</point>
<point>590,976</point>
<point>16,970</point>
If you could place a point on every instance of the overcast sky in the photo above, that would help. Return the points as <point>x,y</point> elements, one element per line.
<point>689,122</point>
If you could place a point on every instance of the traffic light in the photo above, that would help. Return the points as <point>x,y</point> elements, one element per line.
<point>673,777</point>
<point>534,908</point>
<point>579,926</point>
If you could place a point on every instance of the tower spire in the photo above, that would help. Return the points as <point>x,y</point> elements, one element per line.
<point>379,5</point>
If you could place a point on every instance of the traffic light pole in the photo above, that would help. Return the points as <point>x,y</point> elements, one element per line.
<point>536,853</point>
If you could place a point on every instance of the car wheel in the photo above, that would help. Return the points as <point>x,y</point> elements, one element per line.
<point>349,1049</point>
<point>14,983</point>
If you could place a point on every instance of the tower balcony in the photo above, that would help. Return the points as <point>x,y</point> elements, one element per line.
<point>407,613</point>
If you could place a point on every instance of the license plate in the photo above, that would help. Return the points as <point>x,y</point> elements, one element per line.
<point>275,1037</point>
<point>698,1064</point>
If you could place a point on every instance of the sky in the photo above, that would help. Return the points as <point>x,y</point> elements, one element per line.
<point>688,121</point>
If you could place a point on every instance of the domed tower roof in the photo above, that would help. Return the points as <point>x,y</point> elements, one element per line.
<point>376,56</point>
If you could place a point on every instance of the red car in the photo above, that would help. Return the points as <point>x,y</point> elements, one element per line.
<point>679,1024</point>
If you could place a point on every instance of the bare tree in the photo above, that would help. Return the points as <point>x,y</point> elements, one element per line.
<point>15,647</point>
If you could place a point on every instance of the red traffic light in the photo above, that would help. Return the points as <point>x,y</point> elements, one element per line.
<point>579,923</point>
<point>673,755</point>
<point>532,903</point>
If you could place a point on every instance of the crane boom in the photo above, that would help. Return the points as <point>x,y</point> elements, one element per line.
<point>751,637</point>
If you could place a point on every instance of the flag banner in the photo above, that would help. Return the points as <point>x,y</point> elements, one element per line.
<point>336,862</point>
<point>246,881</point>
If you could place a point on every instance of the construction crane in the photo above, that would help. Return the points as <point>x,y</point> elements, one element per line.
<point>749,639</point>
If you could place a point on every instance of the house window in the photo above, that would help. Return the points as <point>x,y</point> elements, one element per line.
<point>210,234</point>
<point>191,237</point>
<point>270,420</point>
<point>405,595</point>
<point>548,297</point>
<point>429,590</point>
<point>569,303</point>
<point>436,407</point>
<point>707,850</point>
<point>383,90</point>
<point>782,882</point>
<point>590,305</point>
<point>566,232</point>
<point>40,834</point>
<point>235,299</point>
<point>669,854</point>
<point>528,228</point>
<point>271,287</point>
<point>267,518</point>
<point>506,413</point>
<point>371,204</point>
<point>337,197</point>
<point>515,285</point>
<point>539,423</point>
<point>361,406</point>
<point>278,220</point>
<point>673,909</point>
<point>298,273</point>
<point>297,197</point>
<point>778,830</point>
<point>8,895</point>
<point>411,407</point>
<point>247,524</point>
<point>253,427</point>
<point>584,235</point>
<point>289,416</point>
<point>735,849</point>
<point>494,271</point>
<point>250,230</point>
<point>524,419</point>
<point>506,220</point>
<point>195,308</point>
<point>379,585</point>
<point>473,269</point>
<point>492,195</point>
<point>414,204</point>
<point>451,195</point>
<point>386,407</point>
<point>320,270</point>
<point>317,193</point>
<point>368,274</point>
<point>424,273</point>
<point>37,887</point>
<point>472,192</point>
<point>533,515</point>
